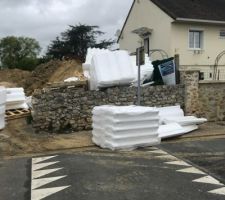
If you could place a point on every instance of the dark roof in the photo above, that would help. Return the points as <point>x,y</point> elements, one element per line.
<point>212,10</point>
<point>193,9</point>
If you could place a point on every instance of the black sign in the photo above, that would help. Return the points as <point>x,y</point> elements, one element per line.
<point>141,52</point>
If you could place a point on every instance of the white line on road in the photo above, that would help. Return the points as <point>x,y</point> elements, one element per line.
<point>42,193</point>
<point>37,160</point>
<point>42,165</point>
<point>178,163</point>
<point>191,170</point>
<point>36,183</point>
<point>208,180</point>
<point>40,173</point>
<point>168,157</point>
<point>220,191</point>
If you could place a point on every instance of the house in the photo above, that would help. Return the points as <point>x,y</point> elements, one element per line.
<point>193,29</point>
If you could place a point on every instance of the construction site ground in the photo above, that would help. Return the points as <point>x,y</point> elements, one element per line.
<point>19,139</point>
<point>190,167</point>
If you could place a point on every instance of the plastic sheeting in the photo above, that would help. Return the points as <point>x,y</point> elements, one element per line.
<point>125,127</point>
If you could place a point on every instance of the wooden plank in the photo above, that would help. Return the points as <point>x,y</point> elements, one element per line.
<point>17,113</point>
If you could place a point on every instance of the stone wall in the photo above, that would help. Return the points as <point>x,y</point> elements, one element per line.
<point>204,98</point>
<point>212,100</point>
<point>190,80</point>
<point>66,107</point>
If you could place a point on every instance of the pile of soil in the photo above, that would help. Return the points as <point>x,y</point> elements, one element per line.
<point>51,72</point>
<point>13,77</point>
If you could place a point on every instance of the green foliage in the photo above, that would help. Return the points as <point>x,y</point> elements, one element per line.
<point>19,52</point>
<point>75,41</point>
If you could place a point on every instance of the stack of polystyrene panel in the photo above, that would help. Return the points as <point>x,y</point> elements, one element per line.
<point>108,68</point>
<point>125,127</point>
<point>2,107</point>
<point>174,123</point>
<point>15,98</point>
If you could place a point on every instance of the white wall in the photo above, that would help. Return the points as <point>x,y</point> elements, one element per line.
<point>147,14</point>
<point>212,44</point>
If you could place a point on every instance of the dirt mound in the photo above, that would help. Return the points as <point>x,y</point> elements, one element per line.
<point>13,77</point>
<point>53,71</point>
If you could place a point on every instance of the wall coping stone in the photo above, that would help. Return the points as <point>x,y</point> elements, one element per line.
<point>211,82</point>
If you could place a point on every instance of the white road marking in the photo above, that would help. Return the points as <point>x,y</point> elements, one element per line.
<point>42,165</point>
<point>208,180</point>
<point>179,163</point>
<point>40,173</point>
<point>220,191</point>
<point>159,152</point>
<point>191,170</point>
<point>41,159</point>
<point>42,193</point>
<point>36,183</point>
<point>168,157</point>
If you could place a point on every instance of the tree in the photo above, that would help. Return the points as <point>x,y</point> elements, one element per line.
<point>75,41</point>
<point>19,52</point>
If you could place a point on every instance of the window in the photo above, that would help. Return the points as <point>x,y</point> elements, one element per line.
<point>195,39</point>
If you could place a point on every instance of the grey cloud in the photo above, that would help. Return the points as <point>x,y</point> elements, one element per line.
<point>45,19</point>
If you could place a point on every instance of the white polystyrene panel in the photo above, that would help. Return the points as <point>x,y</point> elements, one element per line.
<point>170,130</point>
<point>185,120</point>
<point>2,95</point>
<point>14,90</point>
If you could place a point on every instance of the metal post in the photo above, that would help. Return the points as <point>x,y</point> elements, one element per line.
<point>139,79</point>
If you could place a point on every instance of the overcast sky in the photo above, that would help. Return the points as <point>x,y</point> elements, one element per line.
<point>45,19</point>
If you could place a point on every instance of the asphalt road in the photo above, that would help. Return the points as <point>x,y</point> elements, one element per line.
<point>208,154</point>
<point>99,175</point>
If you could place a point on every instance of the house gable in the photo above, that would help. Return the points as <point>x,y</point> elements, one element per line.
<point>131,9</point>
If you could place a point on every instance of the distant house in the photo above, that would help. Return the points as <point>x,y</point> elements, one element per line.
<point>194,29</point>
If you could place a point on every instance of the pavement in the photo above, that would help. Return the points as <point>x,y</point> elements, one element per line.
<point>185,170</point>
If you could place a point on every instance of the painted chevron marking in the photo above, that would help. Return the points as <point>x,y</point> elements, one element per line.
<point>179,163</point>
<point>41,159</point>
<point>208,180</point>
<point>42,193</point>
<point>40,173</point>
<point>168,157</point>
<point>191,170</point>
<point>42,165</point>
<point>159,152</point>
<point>220,191</point>
<point>36,183</point>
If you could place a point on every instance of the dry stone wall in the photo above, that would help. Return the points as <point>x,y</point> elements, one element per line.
<point>67,107</point>
<point>203,98</point>
<point>212,100</point>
